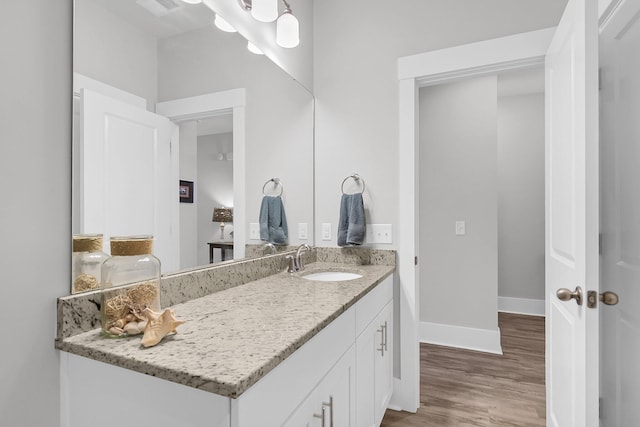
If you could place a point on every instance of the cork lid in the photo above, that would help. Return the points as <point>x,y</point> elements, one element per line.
<point>131,245</point>
<point>87,243</point>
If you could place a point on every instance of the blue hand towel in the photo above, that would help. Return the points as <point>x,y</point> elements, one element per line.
<point>273,222</point>
<point>352,224</point>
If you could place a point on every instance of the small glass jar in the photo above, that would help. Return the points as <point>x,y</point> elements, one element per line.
<point>130,284</point>
<point>86,262</point>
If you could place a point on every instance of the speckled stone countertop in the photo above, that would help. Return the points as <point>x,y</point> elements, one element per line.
<point>234,337</point>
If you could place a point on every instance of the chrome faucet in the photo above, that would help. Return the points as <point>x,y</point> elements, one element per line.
<point>299,261</point>
<point>296,263</point>
<point>270,247</point>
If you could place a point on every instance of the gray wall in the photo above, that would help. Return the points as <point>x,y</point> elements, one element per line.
<point>458,181</point>
<point>279,114</point>
<point>109,49</point>
<point>35,169</point>
<point>356,47</point>
<point>215,189</point>
<point>521,196</point>
<point>189,211</point>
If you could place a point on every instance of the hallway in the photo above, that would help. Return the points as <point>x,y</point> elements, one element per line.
<point>469,388</point>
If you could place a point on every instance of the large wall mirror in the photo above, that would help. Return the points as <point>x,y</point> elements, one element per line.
<point>174,120</point>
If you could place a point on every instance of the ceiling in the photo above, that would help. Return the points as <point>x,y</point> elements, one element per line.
<point>160,18</point>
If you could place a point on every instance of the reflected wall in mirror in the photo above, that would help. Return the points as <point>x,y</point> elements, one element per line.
<point>161,95</point>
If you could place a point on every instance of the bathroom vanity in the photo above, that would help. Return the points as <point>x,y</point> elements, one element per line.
<point>281,350</point>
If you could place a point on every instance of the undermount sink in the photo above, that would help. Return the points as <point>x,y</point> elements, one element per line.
<point>332,276</point>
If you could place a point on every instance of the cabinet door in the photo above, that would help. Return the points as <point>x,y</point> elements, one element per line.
<point>383,361</point>
<point>330,404</point>
<point>338,392</point>
<point>365,368</point>
<point>307,414</point>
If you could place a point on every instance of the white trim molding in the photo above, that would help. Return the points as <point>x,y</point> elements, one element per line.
<point>475,59</point>
<point>415,71</point>
<point>213,104</point>
<point>529,307</point>
<point>83,82</point>
<point>484,340</point>
<point>202,106</point>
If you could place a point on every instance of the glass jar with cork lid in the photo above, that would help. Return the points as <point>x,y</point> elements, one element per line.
<point>86,262</point>
<point>130,284</point>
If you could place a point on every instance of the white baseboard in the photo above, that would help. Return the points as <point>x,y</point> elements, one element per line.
<point>484,340</point>
<point>530,307</point>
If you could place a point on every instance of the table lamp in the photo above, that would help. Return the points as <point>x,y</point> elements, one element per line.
<point>222,215</point>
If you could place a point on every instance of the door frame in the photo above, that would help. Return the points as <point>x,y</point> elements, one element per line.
<point>210,105</point>
<point>446,65</point>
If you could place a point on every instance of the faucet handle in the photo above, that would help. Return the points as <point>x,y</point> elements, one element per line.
<point>291,261</point>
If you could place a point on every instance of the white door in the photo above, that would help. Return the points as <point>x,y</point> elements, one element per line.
<point>129,171</point>
<point>620,210</point>
<point>571,196</point>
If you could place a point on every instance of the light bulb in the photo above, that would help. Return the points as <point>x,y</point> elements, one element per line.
<point>223,25</point>
<point>192,1</point>
<point>264,10</point>
<point>254,49</point>
<point>287,30</point>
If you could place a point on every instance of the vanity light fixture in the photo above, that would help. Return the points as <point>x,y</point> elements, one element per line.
<point>287,25</point>
<point>287,28</point>
<point>254,49</point>
<point>264,10</point>
<point>223,25</point>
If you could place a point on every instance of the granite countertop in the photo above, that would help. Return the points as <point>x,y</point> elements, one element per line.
<point>234,337</point>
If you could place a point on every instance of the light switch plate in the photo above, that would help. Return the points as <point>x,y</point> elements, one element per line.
<point>461,228</point>
<point>379,233</point>
<point>254,231</point>
<point>326,231</point>
<point>303,233</point>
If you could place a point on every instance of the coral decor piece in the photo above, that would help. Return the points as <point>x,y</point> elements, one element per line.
<point>158,326</point>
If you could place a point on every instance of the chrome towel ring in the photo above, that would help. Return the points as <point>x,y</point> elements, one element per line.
<point>276,182</point>
<point>356,178</point>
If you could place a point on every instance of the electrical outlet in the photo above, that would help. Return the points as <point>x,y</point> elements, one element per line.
<point>254,231</point>
<point>379,233</point>
<point>326,231</point>
<point>461,228</point>
<point>303,228</point>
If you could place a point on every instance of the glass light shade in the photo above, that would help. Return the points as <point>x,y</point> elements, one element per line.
<point>254,49</point>
<point>192,1</point>
<point>287,30</point>
<point>223,25</point>
<point>264,10</point>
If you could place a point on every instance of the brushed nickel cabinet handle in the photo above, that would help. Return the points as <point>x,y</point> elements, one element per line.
<point>330,406</point>
<point>321,415</point>
<point>381,349</point>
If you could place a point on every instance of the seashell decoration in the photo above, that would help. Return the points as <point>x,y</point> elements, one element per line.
<point>158,326</point>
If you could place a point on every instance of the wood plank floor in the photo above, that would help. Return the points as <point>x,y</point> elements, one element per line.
<point>469,388</point>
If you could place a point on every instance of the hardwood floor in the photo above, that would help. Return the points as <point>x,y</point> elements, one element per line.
<point>469,388</point>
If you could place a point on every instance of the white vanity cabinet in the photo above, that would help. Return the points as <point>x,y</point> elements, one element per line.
<point>374,357</point>
<point>341,377</point>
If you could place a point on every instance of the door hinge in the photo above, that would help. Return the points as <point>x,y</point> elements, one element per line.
<point>599,78</point>
<point>600,243</point>
<point>600,408</point>
<point>415,260</point>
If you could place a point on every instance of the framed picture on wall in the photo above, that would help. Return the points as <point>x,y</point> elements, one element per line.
<point>186,191</point>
